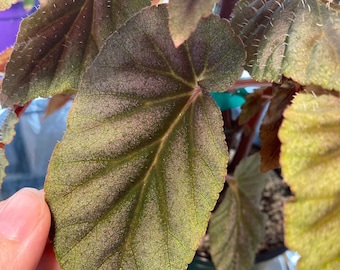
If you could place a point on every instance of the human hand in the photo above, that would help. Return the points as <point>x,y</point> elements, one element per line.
<point>25,222</point>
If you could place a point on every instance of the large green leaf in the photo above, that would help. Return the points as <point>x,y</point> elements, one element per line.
<point>310,158</point>
<point>237,226</point>
<point>184,17</point>
<point>298,39</point>
<point>132,184</point>
<point>58,42</point>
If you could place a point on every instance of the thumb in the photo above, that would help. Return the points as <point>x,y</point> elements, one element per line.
<point>24,226</point>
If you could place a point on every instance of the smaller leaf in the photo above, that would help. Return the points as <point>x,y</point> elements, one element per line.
<point>237,226</point>
<point>57,102</point>
<point>250,180</point>
<point>184,17</point>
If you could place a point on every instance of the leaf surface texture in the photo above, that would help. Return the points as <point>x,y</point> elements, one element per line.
<point>184,17</point>
<point>310,156</point>
<point>57,43</point>
<point>294,38</point>
<point>237,226</point>
<point>132,184</point>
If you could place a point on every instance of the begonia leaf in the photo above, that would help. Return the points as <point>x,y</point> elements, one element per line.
<point>237,226</point>
<point>310,157</point>
<point>297,39</point>
<point>57,43</point>
<point>143,160</point>
<point>184,17</point>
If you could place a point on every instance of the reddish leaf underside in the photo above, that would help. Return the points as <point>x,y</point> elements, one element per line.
<point>270,143</point>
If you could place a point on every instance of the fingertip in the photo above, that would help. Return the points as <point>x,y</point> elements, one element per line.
<point>21,213</point>
<point>24,225</point>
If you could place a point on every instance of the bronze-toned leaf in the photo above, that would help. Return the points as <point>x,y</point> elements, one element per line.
<point>57,43</point>
<point>143,160</point>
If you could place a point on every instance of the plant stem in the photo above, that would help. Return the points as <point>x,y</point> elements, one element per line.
<point>243,83</point>
<point>227,7</point>
<point>247,139</point>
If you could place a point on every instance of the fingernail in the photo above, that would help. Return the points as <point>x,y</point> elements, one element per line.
<point>21,213</point>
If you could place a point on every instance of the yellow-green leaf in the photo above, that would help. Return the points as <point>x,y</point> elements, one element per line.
<point>310,158</point>
<point>237,226</point>
<point>184,17</point>
<point>132,184</point>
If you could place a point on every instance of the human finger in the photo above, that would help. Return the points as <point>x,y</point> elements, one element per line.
<point>24,226</point>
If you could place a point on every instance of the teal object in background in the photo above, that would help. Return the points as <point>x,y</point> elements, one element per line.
<point>226,100</point>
